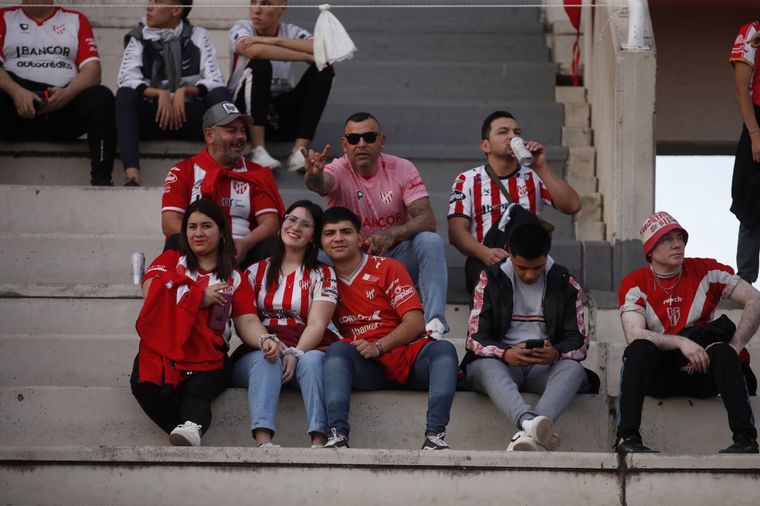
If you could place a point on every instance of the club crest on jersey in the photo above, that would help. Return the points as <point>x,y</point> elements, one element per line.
<point>239,187</point>
<point>522,191</point>
<point>386,196</point>
<point>303,284</point>
<point>59,29</point>
<point>674,314</point>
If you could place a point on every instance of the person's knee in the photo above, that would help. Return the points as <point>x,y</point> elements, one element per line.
<point>260,66</point>
<point>126,95</point>
<point>311,361</point>
<point>641,350</point>
<point>339,350</point>
<point>428,242</point>
<point>99,95</point>
<point>722,354</point>
<point>572,370</point>
<point>443,351</point>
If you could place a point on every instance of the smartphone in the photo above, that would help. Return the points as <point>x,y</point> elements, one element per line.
<point>534,343</point>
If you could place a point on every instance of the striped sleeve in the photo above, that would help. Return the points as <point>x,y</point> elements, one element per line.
<point>579,353</point>
<point>475,322</point>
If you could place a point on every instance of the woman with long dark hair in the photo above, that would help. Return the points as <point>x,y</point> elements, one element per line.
<point>295,295</point>
<point>182,362</point>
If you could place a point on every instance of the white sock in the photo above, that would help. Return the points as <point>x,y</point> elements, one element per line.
<point>525,424</point>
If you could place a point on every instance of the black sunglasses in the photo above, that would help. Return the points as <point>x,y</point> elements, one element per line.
<point>369,137</point>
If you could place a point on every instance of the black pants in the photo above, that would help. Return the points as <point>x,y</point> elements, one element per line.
<point>647,370</point>
<point>745,185</point>
<point>292,115</point>
<point>91,112</point>
<point>136,119</point>
<point>191,401</point>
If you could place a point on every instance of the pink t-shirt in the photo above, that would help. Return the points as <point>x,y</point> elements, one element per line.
<point>381,200</point>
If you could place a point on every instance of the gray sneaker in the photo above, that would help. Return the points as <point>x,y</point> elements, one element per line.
<point>186,434</point>
<point>435,442</point>
<point>336,440</point>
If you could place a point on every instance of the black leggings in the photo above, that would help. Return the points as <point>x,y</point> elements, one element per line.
<point>91,112</point>
<point>647,370</point>
<point>191,401</point>
<point>292,115</point>
<point>136,119</point>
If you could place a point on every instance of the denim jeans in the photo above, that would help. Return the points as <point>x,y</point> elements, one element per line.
<point>435,370</point>
<point>425,260</point>
<point>263,380</point>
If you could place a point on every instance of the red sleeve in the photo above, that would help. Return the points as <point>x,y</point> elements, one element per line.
<point>87,47</point>
<point>401,293</point>
<point>3,29</point>
<point>177,189</point>
<point>630,294</point>
<point>266,197</point>
<point>165,262</point>
<point>243,301</point>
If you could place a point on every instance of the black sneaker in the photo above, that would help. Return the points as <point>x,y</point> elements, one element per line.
<point>435,442</point>
<point>742,445</point>
<point>336,440</point>
<point>101,180</point>
<point>632,444</point>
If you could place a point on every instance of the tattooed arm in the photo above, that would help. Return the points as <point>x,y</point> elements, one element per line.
<point>422,220</point>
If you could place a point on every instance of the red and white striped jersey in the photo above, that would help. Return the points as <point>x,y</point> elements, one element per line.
<point>243,200</point>
<point>704,282</point>
<point>289,304</point>
<point>172,260</point>
<point>51,51</point>
<point>744,52</point>
<point>477,197</point>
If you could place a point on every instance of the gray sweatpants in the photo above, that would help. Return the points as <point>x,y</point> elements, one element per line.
<point>557,384</point>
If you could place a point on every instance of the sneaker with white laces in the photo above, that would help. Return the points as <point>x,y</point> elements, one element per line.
<point>296,162</point>
<point>268,444</point>
<point>435,442</point>
<point>541,429</point>
<point>435,329</point>
<point>186,434</point>
<point>336,440</point>
<point>261,156</point>
<point>521,442</point>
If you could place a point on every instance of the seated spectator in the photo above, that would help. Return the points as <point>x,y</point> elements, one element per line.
<point>479,196</point>
<point>182,362</point>
<point>50,82</point>
<point>295,295</point>
<point>168,78</point>
<point>527,334</point>
<point>384,342</point>
<point>262,82</point>
<point>675,346</point>
<point>389,196</point>
<point>244,190</point>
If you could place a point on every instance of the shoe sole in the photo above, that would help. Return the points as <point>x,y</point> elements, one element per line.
<point>522,446</point>
<point>179,440</point>
<point>543,433</point>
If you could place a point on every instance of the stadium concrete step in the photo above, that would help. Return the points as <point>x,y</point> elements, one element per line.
<point>222,476</point>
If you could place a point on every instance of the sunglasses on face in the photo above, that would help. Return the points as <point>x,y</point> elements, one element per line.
<point>304,224</point>
<point>369,137</point>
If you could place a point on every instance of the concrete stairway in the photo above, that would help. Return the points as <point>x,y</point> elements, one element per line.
<point>73,434</point>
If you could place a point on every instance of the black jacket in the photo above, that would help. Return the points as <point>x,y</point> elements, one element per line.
<point>491,316</point>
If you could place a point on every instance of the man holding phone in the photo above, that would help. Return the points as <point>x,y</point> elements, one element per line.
<point>527,334</point>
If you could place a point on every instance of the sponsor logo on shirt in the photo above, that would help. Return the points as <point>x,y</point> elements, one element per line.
<point>330,291</point>
<point>487,208</point>
<point>415,183</point>
<point>401,294</point>
<point>370,278</point>
<point>359,195</point>
<point>353,318</point>
<point>230,202</point>
<point>382,221</point>
<point>456,196</point>
<point>387,196</point>
<point>391,286</point>
<point>22,51</point>
<point>365,328</point>
<point>24,27</point>
<point>370,294</point>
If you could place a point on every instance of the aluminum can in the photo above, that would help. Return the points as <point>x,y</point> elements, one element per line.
<point>138,267</point>
<point>522,154</point>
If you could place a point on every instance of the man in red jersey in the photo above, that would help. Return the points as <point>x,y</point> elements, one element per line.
<point>384,342</point>
<point>246,191</point>
<point>675,346</point>
<point>50,82</point>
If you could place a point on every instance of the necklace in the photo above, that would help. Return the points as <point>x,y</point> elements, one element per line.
<point>668,291</point>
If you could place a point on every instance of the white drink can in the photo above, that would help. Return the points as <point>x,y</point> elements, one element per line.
<point>522,154</point>
<point>138,267</point>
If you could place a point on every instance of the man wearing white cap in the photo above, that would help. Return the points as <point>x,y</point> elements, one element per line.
<point>675,347</point>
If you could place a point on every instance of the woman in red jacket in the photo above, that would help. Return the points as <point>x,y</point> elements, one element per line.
<point>182,362</point>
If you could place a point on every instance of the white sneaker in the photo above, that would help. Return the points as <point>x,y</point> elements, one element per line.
<point>296,162</point>
<point>261,156</point>
<point>186,434</point>
<point>268,444</point>
<point>435,329</point>
<point>541,429</point>
<point>521,442</point>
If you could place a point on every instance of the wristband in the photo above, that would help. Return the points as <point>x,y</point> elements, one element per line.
<point>379,348</point>
<point>292,350</point>
<point>263,338</point>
